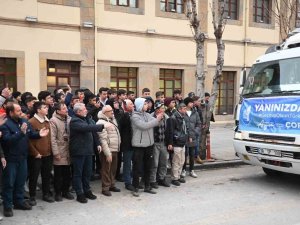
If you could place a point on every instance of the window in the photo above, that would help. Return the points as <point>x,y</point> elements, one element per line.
<point>261,11</point>
<point>231,9</point>
<point>175,6</point>
<point>169,80</point>
<point>124,78</point>
<point>126,3</point>
<point>225,103</point>
<point>8,75</point>
<point>62,73</point>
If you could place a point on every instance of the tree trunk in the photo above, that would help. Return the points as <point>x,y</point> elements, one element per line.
<point>200,74</point>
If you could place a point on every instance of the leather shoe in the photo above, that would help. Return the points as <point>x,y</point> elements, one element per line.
<point>114,189</point>
<point>32,201</point>
<point>7,212</point>
<point>81,198</point>
<point>24,206</point>
<point>58,198</point>
<point>163,183</point>
<point>154,185</point>
<point>175,182</point>
<point>90,195</point>
<point>106,193</point>
<point>48,198</point>
<point>68,196</point>
<point>149,190</point>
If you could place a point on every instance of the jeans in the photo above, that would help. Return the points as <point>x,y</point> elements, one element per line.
<point>142,162</point>
<point>14,177</point>
<point>37,166</point>
<point>160,162</point>
<point>82,172</point>
<point>190,152</point>
<point>127,163</point>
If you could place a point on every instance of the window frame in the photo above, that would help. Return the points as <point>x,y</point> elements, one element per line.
<point>70,74</point>
<point>127,78</point>
<point>173,79</point>
<point>175,3</point>
<point>268,16</point>
<point>127,5</point>
<point>236,3</point>
<point>6,74</point>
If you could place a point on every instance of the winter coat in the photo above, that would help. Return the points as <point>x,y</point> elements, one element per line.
<point>14,141</point>
<point>60,135</point>
<point>142,124</point>
<point>93,111</point>
<point>125,132</point>
<point>194,127</point>
<point>40,146</point>
<point>81,135</point>
<point>109,137</point>
<point>176,132</point>
<point>156,129</point>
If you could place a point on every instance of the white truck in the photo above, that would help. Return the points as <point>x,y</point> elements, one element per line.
<point>268,114</point>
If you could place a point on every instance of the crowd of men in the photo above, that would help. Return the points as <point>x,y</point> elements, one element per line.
<point>68,139</point>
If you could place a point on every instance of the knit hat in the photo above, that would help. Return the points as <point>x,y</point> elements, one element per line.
<point>168,100</point>
<point>187,100</point>
<point>139,104</point>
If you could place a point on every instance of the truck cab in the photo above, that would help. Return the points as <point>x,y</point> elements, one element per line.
<point>268,115</point>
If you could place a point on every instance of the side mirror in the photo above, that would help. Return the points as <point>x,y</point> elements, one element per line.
<point>243,76</point>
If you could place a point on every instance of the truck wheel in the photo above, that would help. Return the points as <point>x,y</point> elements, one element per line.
<point>270,172</point>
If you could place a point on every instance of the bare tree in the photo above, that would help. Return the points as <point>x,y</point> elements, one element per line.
<point>285,14</point>
<point>219,23</point>
<point>199,38</point>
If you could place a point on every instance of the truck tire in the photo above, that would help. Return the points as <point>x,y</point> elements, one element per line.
<point>270,172</point>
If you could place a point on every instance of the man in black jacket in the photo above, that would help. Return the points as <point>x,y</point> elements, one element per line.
<point>176,138</point>
<point>81,151</point>
<point>15,134</point>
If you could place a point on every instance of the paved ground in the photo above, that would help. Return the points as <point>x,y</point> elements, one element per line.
<point>242,195</point>
<point>222,141</point>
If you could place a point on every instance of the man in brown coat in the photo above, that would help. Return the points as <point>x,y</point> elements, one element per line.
<point>60,132</point>
<point>40,159</point>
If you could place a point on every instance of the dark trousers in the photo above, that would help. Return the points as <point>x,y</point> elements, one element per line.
<point>62,178</point>
<point>127,164</point>
<point>82,172</point>
<point>14,177</point>
<point>120,159</point>
<point>108,171</point>
<point>189,152</point>
<point>142,162</point>
<point>37,166</point>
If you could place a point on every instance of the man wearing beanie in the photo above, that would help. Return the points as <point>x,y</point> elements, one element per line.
<point>194,128</point>
<point>170,104</point>
<point>142,143</point>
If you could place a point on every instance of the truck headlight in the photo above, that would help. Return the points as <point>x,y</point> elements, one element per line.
<point>238,135</point>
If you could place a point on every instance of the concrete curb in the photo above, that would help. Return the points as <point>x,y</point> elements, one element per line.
<point>219,164</point>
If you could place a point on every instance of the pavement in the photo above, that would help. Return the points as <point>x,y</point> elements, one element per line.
<point>222,151</point>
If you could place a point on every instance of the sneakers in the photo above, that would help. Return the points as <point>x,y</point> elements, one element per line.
<point>90,195</point>
<point>129,187</point>
<point>154,185</point>
<point>48,198</point>
<point>58,198</point>
<point>135,193</point>
<point>193,174</point>
<point>114,189</point>
<point>106,193</point>
<point>7,212</point>
<point>32,201</point>
<point>183,173</point>
<point>163,183</point>
<point>24,206</point>
<point>149,190</point>
<point>68,195</point>
<point>181,180</point>
<point>175,182</point>
<point>81,198</point>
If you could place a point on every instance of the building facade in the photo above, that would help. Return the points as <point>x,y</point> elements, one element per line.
<point>129,44</point>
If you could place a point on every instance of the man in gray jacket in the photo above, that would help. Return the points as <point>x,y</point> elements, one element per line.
<point>142,142</point>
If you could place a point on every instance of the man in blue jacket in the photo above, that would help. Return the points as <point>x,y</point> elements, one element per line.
<point>15,134</point>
